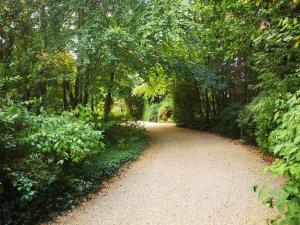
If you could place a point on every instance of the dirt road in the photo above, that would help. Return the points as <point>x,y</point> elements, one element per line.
<point>185,177</point>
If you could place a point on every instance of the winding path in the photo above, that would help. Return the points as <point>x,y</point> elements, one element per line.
<point>185,177</point>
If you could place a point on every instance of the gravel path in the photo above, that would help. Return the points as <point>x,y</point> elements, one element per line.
<point>185,177</point>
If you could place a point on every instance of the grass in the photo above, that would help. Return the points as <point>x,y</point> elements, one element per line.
<point>124,144</point>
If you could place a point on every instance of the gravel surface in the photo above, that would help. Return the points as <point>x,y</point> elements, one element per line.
<point>185,177</point>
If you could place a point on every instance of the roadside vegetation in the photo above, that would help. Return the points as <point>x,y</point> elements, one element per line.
<point>73,73</point>
<point>55,163</point>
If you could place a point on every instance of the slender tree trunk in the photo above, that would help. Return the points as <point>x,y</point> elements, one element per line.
<point>207,109</point>
<point>76,91</point>
<point>92,104</point>
<point>218,101</point>
<point>200,104</point>
<point>69,93</point>
<point>85,89</point>
<point>65,95</point>
<point>85,98</point>
<point>213,102</point>
<point>108,99</point>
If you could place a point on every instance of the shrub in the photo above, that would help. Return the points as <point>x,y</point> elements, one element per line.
<point>247,125</point>
<point>63,138</point>
<point>36,152</point>
<point>151,112</point>
<point>263,116</point>
<point>52,195</point>
<point>285,143</point>
<point>13,121</point>
<point>135,105</point>
<point>165,110</point>
<point>226,120</point>
<point>87,115</point>
<point>186,102</point>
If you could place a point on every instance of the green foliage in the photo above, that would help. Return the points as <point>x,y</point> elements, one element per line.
<point>125,144</point>
<point>61,138</point>
<point>186,101</point>
<point>53,189</point>
<point>165,111</point>
<point>263,117</point>
<point>161,110</point>
<point>151,112</point>
<point>284,143</point>
<point>262,110</point>
<point>135,106</point>
<point>38,152</point>
<point>247,125</point>
<point>80,61</point>
<point>13,119</point>
<point>226,121</point>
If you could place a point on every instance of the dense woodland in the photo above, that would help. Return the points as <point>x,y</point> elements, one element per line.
<point>73,73</point>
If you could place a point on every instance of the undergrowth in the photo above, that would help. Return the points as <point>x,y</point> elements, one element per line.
<point>123,145</point>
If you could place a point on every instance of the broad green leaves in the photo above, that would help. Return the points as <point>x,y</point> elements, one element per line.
<point>64,139</point>
<point>284,142</point>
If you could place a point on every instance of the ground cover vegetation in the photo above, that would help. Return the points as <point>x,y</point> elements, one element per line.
<point>73,72</point>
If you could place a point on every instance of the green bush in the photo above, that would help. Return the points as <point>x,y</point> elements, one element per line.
<point>35,153</point>
<point>13,121</point>
<point>64,139</point>
<point>186,102</point>
<point>49,162</point>
<point>135,105</point>
<point>87,115</point>
<point>125,143</point>
<point>165,110</point>
<point>226,121</point>
<point>285,144</point>
<point>151,112</point>
<point>263,116</point>
<point>159,111</point>
<point>247,125</point>
<point>263,108</point>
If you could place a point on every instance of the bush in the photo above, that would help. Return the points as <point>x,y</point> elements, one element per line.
<point>186,102</point>
<point>285,144</point>
<point>151,112</point>
<point>49,162</point>
<point>13,121</point>
<point>63,139</point>
<point>247,125</point>
<point>87,115</point>
<point>36,152</point>
<point>226,121</point>
<point>165,110</point>
<point>125,144</point>
<point>135,105</point>
<point>263,116</point>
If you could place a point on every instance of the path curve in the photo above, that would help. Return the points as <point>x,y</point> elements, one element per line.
<point>185,177</point>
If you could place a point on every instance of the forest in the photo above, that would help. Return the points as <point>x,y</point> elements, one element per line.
<point>75,76</point>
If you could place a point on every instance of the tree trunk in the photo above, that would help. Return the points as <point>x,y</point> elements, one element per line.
<point>213,102</point>
<point>72,99</point>
<point>207,109</point>
<point>76,97</point>
<point>108,98</point>
<point>92,104</point>
<point>65,95</point>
